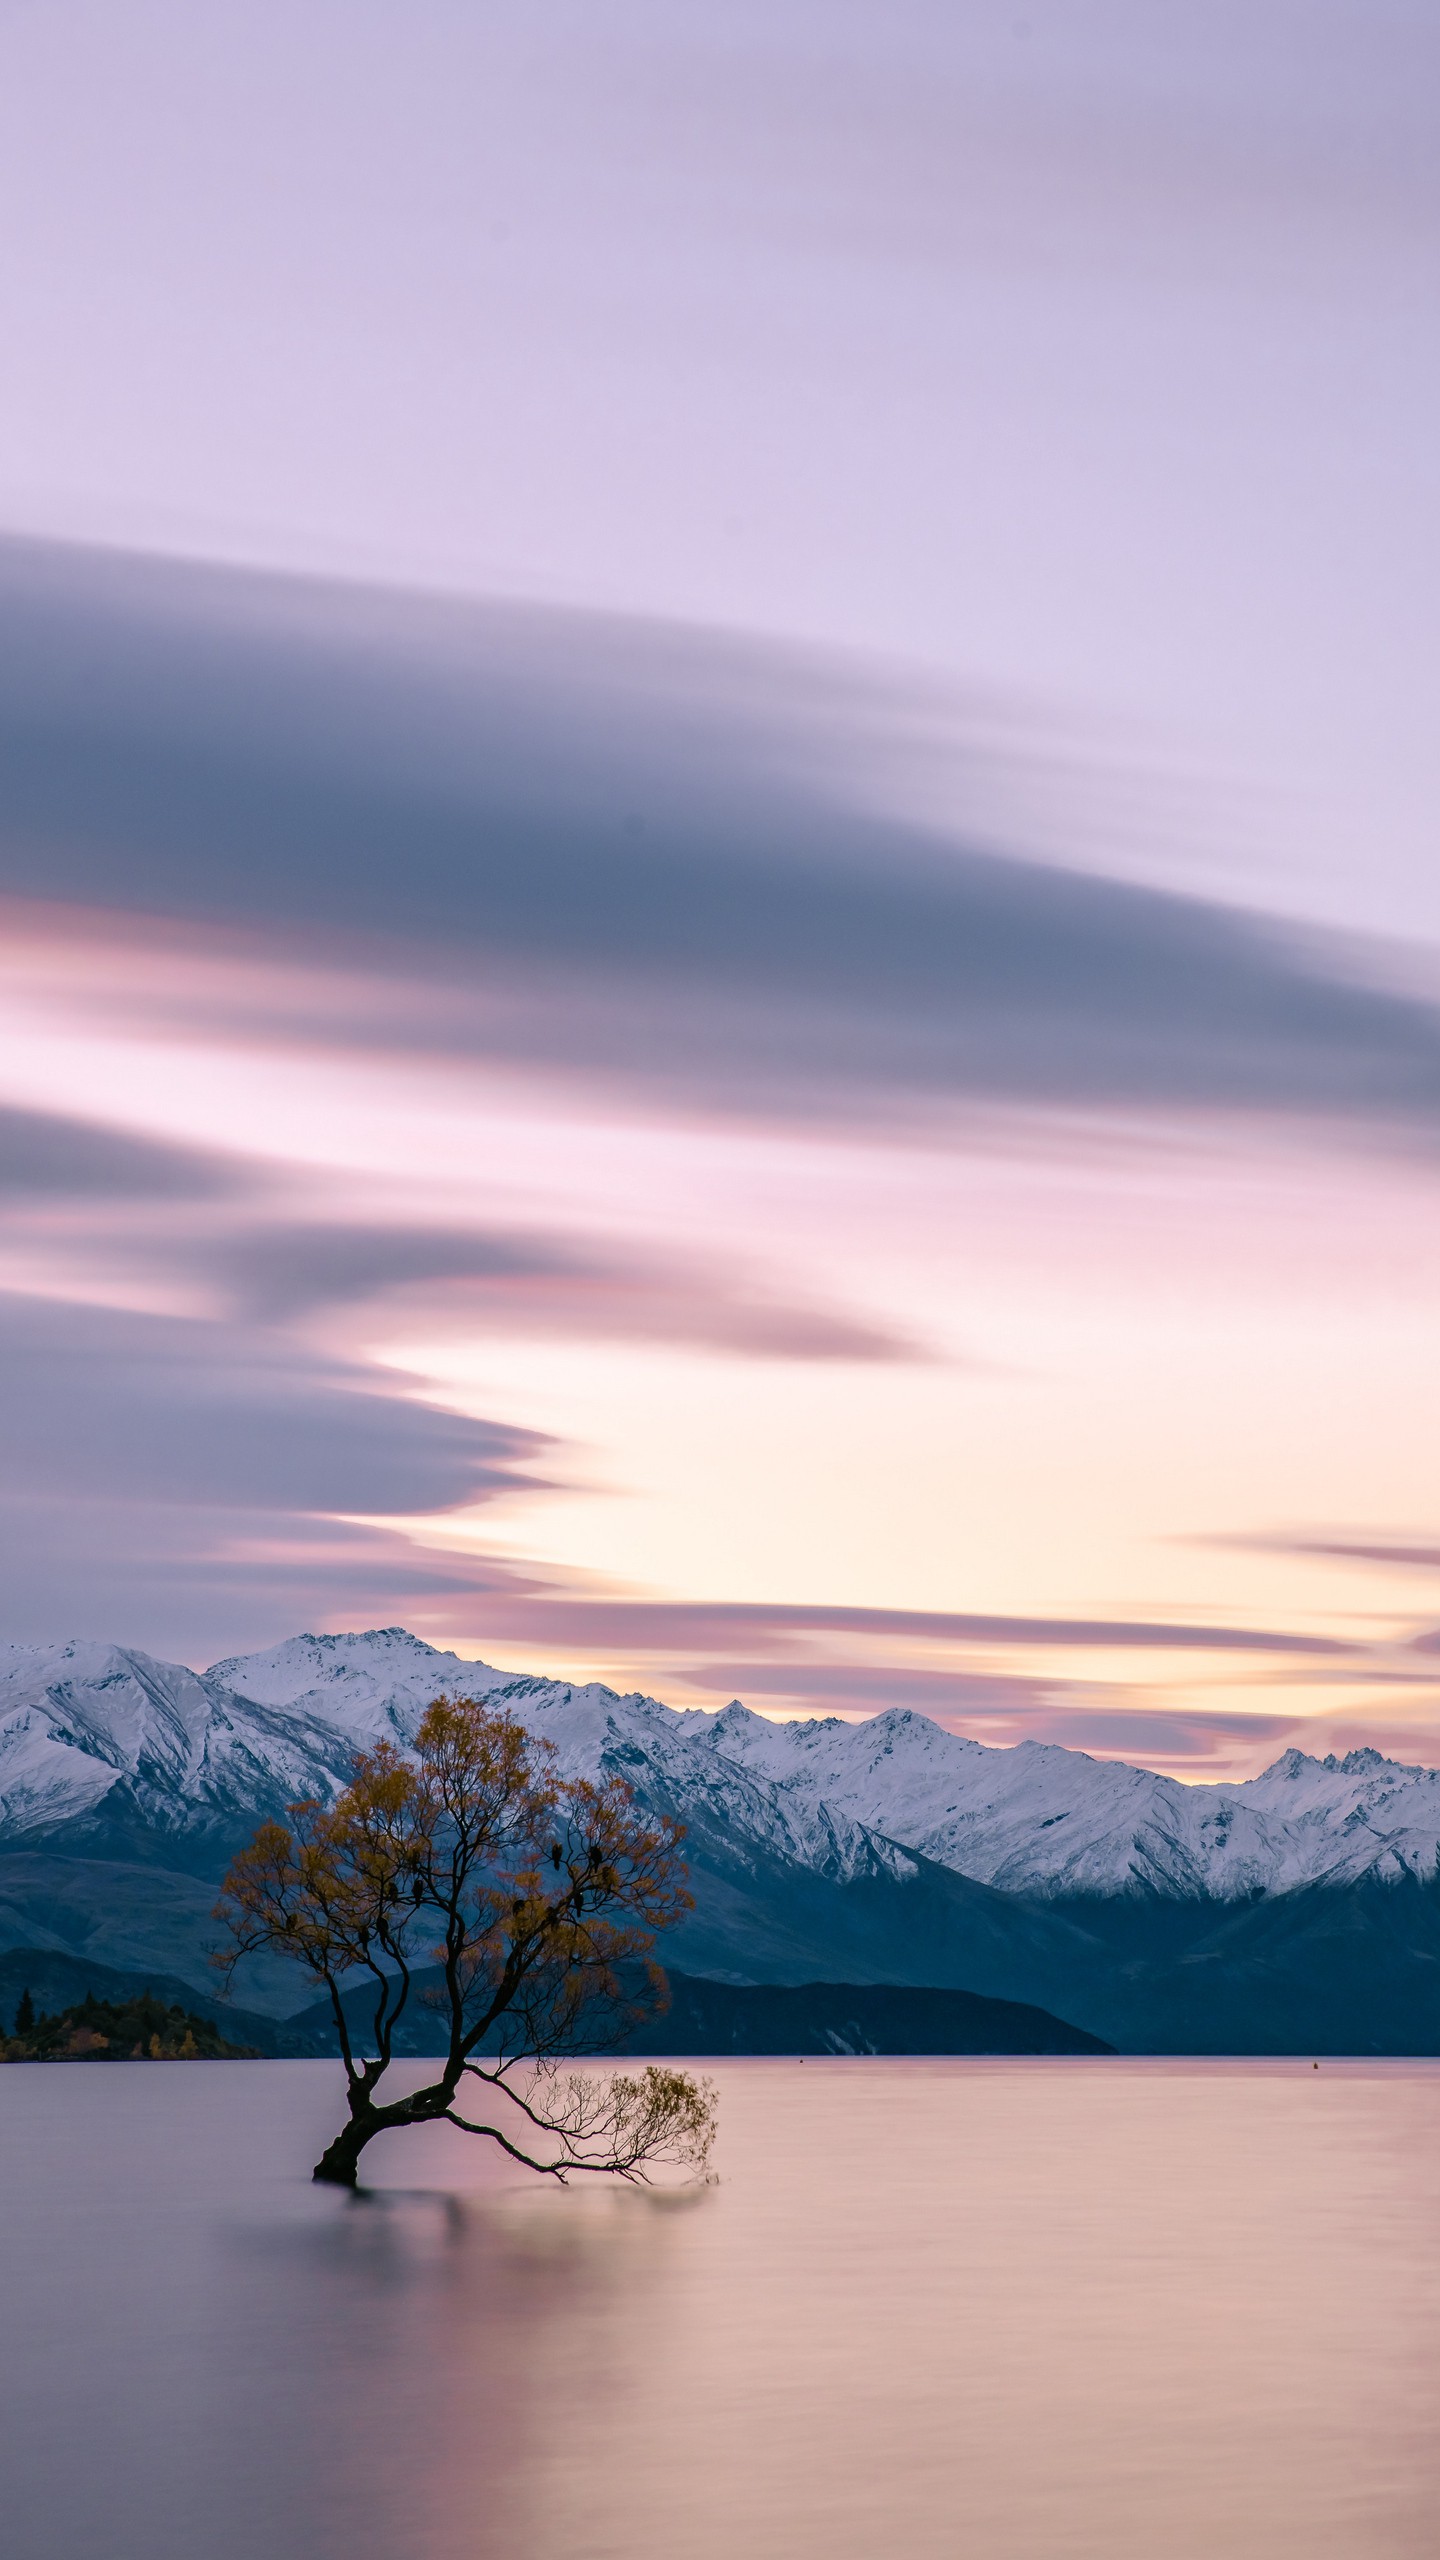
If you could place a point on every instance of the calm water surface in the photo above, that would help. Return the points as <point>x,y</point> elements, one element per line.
<point>955,2308</point>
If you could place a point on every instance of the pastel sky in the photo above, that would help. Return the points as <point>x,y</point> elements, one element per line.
<point>718,774</point>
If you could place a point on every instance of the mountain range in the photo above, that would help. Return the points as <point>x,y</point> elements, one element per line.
<point>1295,1911</point>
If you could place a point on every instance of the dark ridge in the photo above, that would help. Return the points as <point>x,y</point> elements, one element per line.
<point>706,2017</point>
<point>849,2017</point>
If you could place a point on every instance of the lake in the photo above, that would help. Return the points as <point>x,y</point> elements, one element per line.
<point>989,2309</point>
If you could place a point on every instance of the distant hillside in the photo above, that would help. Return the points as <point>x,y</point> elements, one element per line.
<point>850,2017</point>
<point>703,2018</point>
<point>813,2017</point>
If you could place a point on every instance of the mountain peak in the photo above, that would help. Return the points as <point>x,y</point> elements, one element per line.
<point>1293,1764</point>
<point>1360,1763</point>
<point>375,1683</point>
<point>360,1645</point>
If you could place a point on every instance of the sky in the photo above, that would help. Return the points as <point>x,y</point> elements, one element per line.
<point>721,928</point>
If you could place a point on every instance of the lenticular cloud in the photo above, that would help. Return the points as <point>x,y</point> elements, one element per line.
<point>607,849</point>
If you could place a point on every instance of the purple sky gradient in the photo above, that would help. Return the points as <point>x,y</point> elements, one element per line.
<point>719,779</point>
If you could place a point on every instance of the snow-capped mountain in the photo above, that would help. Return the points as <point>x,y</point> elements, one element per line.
<point>95,1736</point>
<point>93,1730</point>
<point>378,1685</point>
<point>1036,1818</point>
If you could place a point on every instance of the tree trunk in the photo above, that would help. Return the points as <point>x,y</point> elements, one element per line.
<point>340,2165</point>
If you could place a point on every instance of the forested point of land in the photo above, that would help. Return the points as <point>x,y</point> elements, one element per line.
<point>139,2030</point>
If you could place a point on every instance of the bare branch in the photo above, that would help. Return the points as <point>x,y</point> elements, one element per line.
<point>617,2124</point>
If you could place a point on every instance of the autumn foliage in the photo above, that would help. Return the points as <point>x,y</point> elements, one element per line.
<point>534,1898</point>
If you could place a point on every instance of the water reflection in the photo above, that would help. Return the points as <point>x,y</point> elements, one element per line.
<point>1008,2310</point>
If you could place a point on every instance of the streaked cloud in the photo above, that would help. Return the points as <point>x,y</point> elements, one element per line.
<point>165,1480</point>
<point>279,1271</point>
<point>652,871</point>
<point>102,1403</point>
<point>651,1626</point>
<point>179,1578</point>
<point>46,1156</point>
<point>1410,1553</point>
<point>622,851</point>
<point>479,1279</point>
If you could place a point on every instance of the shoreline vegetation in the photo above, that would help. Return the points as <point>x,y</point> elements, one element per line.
<point>139,2030</point>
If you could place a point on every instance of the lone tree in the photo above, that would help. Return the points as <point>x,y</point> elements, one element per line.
<point>536,1898</point>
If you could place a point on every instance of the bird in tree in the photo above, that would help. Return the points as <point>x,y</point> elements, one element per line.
<point>535,1898</point>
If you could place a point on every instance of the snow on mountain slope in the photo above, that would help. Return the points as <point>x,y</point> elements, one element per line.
<point>1037,1818</point>
<point>104,1732</point>
<point>91,1730</point>
<point>379,1685</point>
<point>374,1687</point>
<point>77,1719</point>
